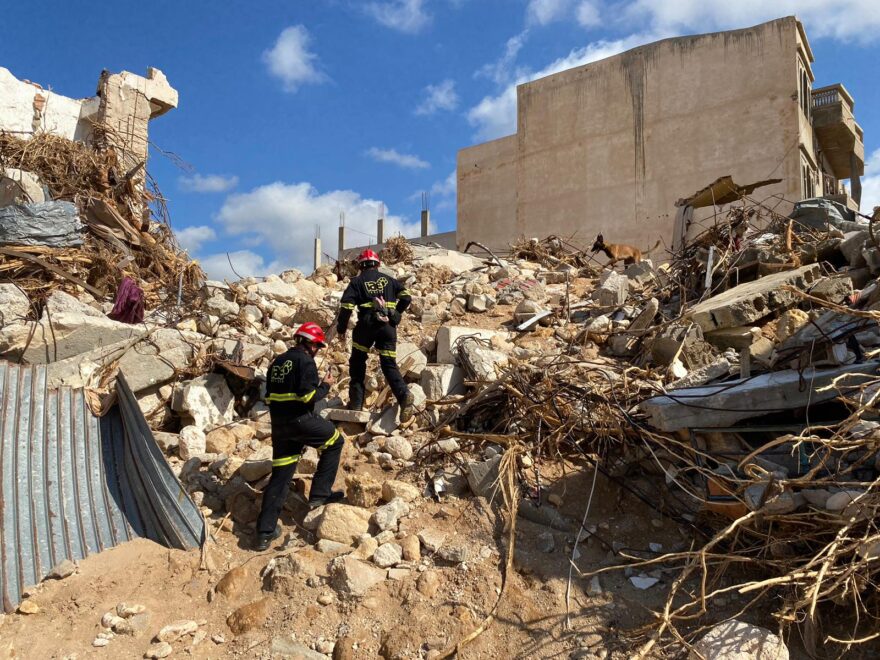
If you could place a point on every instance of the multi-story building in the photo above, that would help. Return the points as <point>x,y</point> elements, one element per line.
<point>611,146</point>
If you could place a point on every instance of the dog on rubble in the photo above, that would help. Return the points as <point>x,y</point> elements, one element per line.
<point>620,251</point>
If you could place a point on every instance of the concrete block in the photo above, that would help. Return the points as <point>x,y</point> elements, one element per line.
<point>20,187</point>
<point>613,289</point>
<point>833,289</point>
<point>418,360</point>
<point>741,336</point>
<point>641,273</point>
<point>448,335</point>
<point>749,302</point>
<point>851,247</point>
<point>440,380</point>
<point>351,416</point>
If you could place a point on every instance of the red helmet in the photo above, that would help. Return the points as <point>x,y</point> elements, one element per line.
<point>311,332</point>
<point>367,256</point>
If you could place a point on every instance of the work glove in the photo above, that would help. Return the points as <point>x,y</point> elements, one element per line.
<point>393,317</point>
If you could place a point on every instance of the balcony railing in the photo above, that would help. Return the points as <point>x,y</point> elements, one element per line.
<point>831,95</point>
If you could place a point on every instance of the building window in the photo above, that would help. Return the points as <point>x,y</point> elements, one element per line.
<point>804,91</point>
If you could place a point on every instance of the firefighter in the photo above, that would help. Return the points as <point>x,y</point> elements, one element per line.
<point>292,389</point>
<point>380,300</point>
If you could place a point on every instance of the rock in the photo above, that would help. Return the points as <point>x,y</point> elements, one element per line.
<point>736,640</point>
<point>134,626</point>
<point>217,305</point>
<point>818,497</point>
<point>388,515</point>
<point>448,445</point>
<point>174,631</point>
<point>343,523</point>
<point>250,616</point>
<point>63,570</point>
<point>366,548</point>
<point>546,542</point>
<point>641,273</point>
<point>411,547</point>
<point>441,380</point>
<point>325,599</point>
<point>128,610</point>
<point>789,323</point>
<point>353,577</point>
<point>60,303</point>
<point>99,642</point>
<point>327,547</point>
<point>840,501</point>
<point>233,583</point>
<point>613,289</point>
<point>526,310</point>
<point>432,539</point>
<point>288,648</point>
<point>191,442</point>
<point>458,306</point>
<point>206,400</point>
<point>308,462</point>
<point>257,465</point>
<point>110,620</point>
<point>221,441</point>
<point>418,360</point>
<point>388,555</point>
<point>19,186</point>
<point>483,477</point>
<point>392,489</point>
<point>454,554</point>
<point>15,306</point>
<point>480,303</point>
<point>447,336</point>
<point>485,362</point>
<point>167,442</point>
<point>28,607</point>
<point>399,447</point>
<point>428,584</point>
<point>833,289</point>
<point>388,421</point>
<point>362,490</point>
<point>350,416</point>
<point>158,650</point>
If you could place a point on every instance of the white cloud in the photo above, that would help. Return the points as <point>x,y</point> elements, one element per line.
<point>438,97</point>
<point>192,238</point>
<point>207,183</point>
<point>588,13</point>
<point>446,187</point>
<point>394,157</point>
<point>402,15</point>
<point>286,215</point>
<point>500,71</point>
<point>871,184</point>
<point>844,19</point>
<point>495,116</point>
<point>542,12</point>
<point>290,60</point>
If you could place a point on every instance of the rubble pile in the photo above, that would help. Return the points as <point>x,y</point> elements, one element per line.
<point>73,217</point>
<point>733,389</point>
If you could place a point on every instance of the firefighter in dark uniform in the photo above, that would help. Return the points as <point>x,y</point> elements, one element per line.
<point>380,301</point>
<point>292,389</point>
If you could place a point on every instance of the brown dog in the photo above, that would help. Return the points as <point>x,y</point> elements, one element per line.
<point>620,251</point>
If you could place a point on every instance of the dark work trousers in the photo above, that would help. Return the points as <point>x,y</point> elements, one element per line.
<point>384,337</point>
<point>289,437</point>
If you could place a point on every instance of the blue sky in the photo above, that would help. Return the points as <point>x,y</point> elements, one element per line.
<point>294,111</point>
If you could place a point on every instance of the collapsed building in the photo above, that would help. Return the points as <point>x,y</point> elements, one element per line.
<point>610,146</point>
<point>725,400</point>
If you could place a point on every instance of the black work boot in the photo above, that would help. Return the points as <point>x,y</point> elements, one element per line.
<point>407,410</point>
<point>265,540</point>
<point>334,496</point>
<point>355,405</point>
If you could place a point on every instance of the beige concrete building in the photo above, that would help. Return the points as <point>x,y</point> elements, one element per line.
<point>611,146</point>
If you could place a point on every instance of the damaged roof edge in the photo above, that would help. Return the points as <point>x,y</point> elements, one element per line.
<point>74,484</point>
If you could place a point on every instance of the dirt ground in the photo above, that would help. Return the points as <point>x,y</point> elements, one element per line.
<point>397,618</point>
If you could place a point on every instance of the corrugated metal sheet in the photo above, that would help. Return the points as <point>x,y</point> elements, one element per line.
<point>74,484</point>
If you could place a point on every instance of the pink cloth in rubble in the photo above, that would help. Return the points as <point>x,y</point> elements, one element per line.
<point>129,304</point>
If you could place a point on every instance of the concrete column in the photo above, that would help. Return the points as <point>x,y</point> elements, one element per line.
<point>380,231</point>
<point>317,253</point>
<point>426,217</point>
<point>855,183</point>
<point>341,241</point>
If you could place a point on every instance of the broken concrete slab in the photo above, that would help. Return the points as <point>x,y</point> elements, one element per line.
<point>441,380</point>
<point>851,247</point>
<point>206,400</point>
<point>738,337</point>
<point>15,306</point>
<point>345,415</point>
<point>69,334</point>
<point>728,403</point>
<point>484,362</point>
<point>833,289</point>
<point>613,289</point>
<point>448,337</point>
<point>746,303</point>
<point>417,359</point>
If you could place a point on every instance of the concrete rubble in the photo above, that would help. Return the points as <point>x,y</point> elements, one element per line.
<point>643,368</point>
